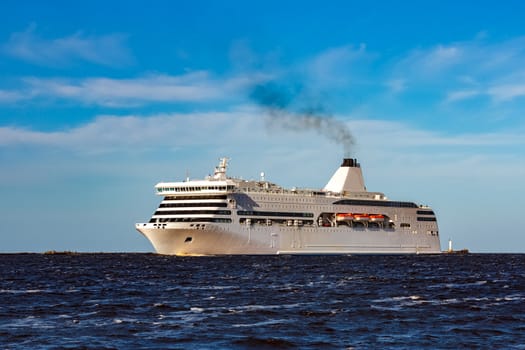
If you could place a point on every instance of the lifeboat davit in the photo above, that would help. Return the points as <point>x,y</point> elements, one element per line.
<point>344,217</point>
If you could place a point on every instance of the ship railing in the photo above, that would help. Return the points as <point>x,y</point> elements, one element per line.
<point>281,191</point>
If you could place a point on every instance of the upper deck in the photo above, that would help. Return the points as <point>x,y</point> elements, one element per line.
<point>219,183</point>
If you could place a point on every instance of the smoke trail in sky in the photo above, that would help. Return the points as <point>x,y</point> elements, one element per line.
<point>289,108</point>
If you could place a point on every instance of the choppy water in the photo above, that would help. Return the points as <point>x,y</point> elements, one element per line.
<point>124,301</point>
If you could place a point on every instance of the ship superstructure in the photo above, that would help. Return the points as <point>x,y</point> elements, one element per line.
<point>224,215</point>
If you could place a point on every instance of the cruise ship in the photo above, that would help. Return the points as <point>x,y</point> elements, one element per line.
<point>222,215</point>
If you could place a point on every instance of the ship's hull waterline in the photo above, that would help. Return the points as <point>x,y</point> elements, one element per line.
<point>227,216</point>
<point>215,240</point>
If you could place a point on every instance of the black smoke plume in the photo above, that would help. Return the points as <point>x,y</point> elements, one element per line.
<point>290,107</point>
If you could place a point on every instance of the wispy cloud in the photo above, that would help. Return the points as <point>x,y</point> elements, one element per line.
<point>338,65</point>
<point>7,96</point>
<point>109,132</point>
<point>401,135</point>
<point>454,96</point>
<point>441,58</point>
<point>107,50</point>
<point>506,92</point>
<point>428,63</point>
<point>498,93</point>
<point>198,86</point>
<point>468,69</point>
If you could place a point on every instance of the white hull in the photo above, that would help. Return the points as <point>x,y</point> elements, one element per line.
<point>216,239</point>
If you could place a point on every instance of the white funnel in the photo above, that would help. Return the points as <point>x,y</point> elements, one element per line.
<point>348,178</point>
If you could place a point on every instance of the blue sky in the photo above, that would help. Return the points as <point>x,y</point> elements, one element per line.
<point>101,100</point>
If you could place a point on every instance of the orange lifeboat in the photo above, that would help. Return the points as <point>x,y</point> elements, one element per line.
<point>361,217</point>
<point>344,217</point>
<point>377,217</point>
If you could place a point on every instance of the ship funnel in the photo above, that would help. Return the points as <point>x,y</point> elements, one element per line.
<point>348,178</point>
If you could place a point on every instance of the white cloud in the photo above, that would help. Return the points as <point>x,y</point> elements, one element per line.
<point>338,65</point>
<point>506,92</point>
<point>454,96</point>
<point>442,57</point>
<point>109,133</point>
<point>11,96</point>
<point>498,93</point>
<point>467,69</point>
<point>243,125</point>
<point>105,50</point>
<point>191,87</point>
<point>469,57</point>
<point>105,91</point>
<point>428,63</point>
<point>398,135</point>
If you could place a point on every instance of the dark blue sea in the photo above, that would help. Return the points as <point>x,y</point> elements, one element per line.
<point>147,301</point>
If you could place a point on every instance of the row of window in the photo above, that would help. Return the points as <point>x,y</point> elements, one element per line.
<point>426,219</point>
<point>223,220</point>
<point>275,213</point>
<point>268,222</point>
<point>376,203</point>
<point>195,188</point>
<point>425,212</point>
<point>173,198</point>
<point>200,204</point>
<point>192,212</point>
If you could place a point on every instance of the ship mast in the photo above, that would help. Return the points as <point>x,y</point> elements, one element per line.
<point>220,170</point>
